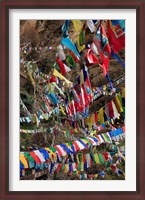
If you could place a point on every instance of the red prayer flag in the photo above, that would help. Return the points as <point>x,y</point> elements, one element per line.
<point>61,66</point>
<point>92,59</point>
<point>101,41</point>
<point>116,37</point>
<point>111,112</point>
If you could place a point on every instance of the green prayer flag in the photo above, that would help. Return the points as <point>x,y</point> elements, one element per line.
<point>74,173</point>
<point>120,98</point>
<point>56,67</point>
<point>83,176</point>
<point>27,155</point>
<point>107,164</point>
<point>63,165</point>
<point>106,136</point>
<point>59,120</point>
<point>88,141</point>
<point>101,159</point>
<point>71,61</point>
<point>79,166</point>
<point>108,169</point>
<point>69,143</point>
<point>80,155</point>
<point>68,133</point>
<point>52,149</point>
<point>82,37</point>
<point>79,123</point>
<point>92,155</point>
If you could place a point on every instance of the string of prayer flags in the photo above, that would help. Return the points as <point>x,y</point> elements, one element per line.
<point>33,131</point>
<point>98,91</point>
<point>71,168</point>
<point>26,49</point>
<point>109,80</point>
<point>117,58</point>
<point>39,159</point>
<point>78,145</point>
<point>112,109</point>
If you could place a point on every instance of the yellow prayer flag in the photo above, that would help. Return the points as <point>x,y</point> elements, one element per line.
<point>36,120</point>
<point>118,104</point>
<point>62,110</point>
<point>95,175</point>
<point>101,116</point>
<point>84,141</point>
<point>45,116</point>
<point>104,137</point>
<point>53,156</point>
<point>67,145</point>
<point>50,156</point>
<point>50,87</point>
<point>76,130</point>
<point>82,166</point>
<point>90,120</point>
<point>48,149</point>
<point>23,160</point>
<point>80,47</point>
<point>96,158</point>
<point>56,73</point>
<point>77,158</point>
<point>66,168</point>
<point>31,78</point>
<point>94,149</point>
<point>77,173</point>
<point>77,25</point>
<point>91,134</point>
<point>123,93</point>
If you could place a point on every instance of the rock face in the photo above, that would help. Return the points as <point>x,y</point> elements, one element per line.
<point>38,35</point>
